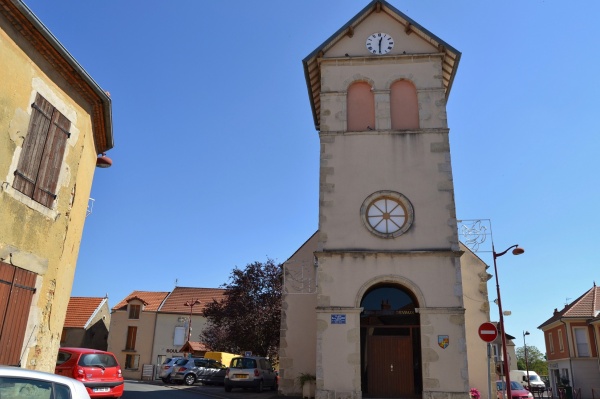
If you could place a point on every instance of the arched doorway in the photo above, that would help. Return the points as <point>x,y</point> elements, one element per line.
<point>390,343</point>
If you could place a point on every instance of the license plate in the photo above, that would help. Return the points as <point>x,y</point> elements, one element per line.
<point>103,389</point>
<point>241,376</point>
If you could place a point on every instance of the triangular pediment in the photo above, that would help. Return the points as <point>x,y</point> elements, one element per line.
<point>349,42</point>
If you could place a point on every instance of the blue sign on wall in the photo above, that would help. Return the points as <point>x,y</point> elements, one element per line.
<point>338,319</point>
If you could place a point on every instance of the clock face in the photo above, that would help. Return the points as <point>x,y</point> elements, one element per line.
<point>380,43</point>
<point>387,214</point>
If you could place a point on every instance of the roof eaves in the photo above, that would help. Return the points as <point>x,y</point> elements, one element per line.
<point>53,41</point>
<point>94,313</point>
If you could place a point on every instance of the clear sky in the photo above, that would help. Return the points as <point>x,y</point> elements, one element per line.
<point>216,156</point>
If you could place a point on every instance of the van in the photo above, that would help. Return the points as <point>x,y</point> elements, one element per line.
<point>534,379</point>
<point>223,357</point>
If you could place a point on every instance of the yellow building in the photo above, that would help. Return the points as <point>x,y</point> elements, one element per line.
<point>383,300</point>
<point>54,121</point>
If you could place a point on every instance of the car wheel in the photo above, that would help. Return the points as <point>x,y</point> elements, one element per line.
<point>227,388</point>
<point>259,387</point>
<point>190,379</point>
<point>165,380</point>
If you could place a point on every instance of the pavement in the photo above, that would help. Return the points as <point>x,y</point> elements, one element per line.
<point>217,391</point>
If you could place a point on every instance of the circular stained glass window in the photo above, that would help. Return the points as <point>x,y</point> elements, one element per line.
<point>387,214</point>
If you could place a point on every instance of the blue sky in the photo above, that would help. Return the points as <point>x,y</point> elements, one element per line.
<point>216,156</point>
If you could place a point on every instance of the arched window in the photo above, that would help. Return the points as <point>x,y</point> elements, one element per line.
<point>361,107</point>
<point>404,106</point>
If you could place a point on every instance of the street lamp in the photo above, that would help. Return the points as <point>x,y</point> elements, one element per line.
<point>191,304</point>
<point>516,251</point>
<point>526,364</point>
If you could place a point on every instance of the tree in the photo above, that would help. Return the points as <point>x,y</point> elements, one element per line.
<point>535,360</point>
<point>249,317</point>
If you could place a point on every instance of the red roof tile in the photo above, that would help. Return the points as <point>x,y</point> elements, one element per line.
<point>151,299</point>
<point>80,310</point>
<point>180,295</point>
<point>586,306</point>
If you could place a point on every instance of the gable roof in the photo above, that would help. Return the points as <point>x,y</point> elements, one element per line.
<point>180,295</point>
<point>151,299</point>
<point>587,306</point>
<point>81,310</point>
<point>33,30</point>
<point>312,71</point>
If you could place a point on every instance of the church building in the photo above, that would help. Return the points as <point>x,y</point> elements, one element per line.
<point>374,303</point>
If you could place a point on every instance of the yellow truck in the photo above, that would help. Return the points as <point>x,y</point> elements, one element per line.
<point>223,357</point>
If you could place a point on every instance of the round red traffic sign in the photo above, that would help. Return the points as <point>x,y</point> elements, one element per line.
<point>488,332</point>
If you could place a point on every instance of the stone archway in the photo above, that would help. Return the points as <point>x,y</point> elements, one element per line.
<point>390,342</point>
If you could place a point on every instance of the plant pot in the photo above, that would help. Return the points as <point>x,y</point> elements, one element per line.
<point>308,389</point>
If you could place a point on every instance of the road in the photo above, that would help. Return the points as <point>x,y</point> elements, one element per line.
<point>157,390</point>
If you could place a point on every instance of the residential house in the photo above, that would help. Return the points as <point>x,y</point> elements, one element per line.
<point>132,326</point>
<point>148,327</point>
<point>572,337</point>
<point>86,324</point>
<point>54,122</point>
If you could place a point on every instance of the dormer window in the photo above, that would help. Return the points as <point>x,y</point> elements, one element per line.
<point>134,311</point>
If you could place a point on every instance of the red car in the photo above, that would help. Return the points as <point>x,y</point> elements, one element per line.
<point>99,371</point>
<point>517,391</point>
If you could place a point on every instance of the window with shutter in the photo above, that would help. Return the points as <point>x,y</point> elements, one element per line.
<point>43,152</point>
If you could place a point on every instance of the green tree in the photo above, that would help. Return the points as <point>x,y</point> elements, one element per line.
<point>249,317</point>
<point>535,359</point>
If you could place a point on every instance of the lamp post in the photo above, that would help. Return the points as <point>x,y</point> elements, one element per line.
<point>191,304</point>
<point>526,364</point>
<point>516,251</point>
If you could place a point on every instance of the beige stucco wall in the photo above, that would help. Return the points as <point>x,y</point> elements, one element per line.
<point>117,339</point>
<point>165,332</point>
<point>297,351</point>
<point>45,241</point>
<point>477,311</point>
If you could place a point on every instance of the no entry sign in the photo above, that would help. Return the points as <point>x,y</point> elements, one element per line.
<point>488,332</point>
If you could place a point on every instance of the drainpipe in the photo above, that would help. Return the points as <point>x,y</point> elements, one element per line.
<point>569,351</point>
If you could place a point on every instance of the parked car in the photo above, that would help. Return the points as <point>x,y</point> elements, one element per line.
<point>212,372</point>
<point>166,368</point>
<point>535,382</point>
<point>517,391</point>
<point>16,382</point>
<point>185,370</point>
<point>98,370</point>
<point>250,372</point>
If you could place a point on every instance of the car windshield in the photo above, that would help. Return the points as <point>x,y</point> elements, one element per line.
<point>98,360</point>
<point>533,378</point>
<point>243,363</point>
<point>513,385</point>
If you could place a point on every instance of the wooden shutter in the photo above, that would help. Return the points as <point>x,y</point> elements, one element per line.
<point>131,335</point>
<point>17,287</point>
<point>43,152</point>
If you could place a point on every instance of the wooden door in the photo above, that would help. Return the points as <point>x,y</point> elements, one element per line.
<point>390,366</point>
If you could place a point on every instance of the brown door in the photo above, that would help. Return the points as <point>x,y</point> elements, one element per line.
<point>390,366</point>
<point>17,287</point>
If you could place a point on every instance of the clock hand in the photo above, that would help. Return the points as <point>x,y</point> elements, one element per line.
<point>381,38</point>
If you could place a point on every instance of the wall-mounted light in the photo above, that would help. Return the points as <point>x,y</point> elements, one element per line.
<point>103,161</point>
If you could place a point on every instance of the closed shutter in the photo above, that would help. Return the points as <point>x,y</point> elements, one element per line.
<point>17,287</point>
<point>43,152</point>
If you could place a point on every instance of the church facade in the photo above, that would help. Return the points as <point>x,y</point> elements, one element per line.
<point>374,301</point>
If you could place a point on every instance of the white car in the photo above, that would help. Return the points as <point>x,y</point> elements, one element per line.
<point>250,372</point>
<point>17,382</point>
